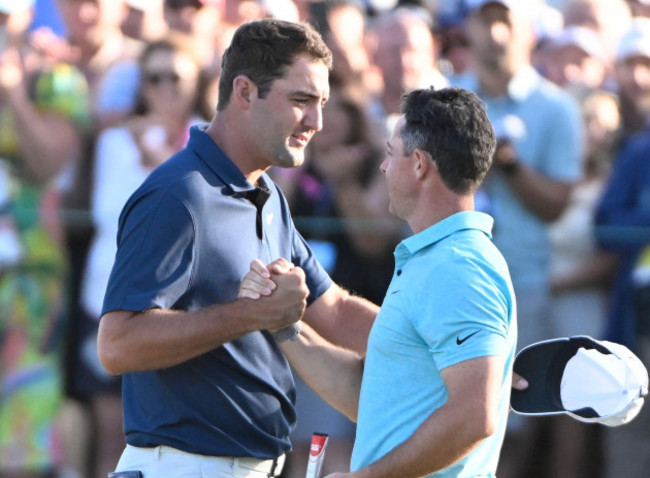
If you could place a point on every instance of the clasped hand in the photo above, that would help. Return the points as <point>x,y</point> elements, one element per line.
<point>282,288</point>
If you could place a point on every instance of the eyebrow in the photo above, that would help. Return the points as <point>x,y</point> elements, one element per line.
<point>308,95</point>
<point>390,146</point>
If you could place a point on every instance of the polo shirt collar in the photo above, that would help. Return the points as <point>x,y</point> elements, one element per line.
<point>209,152</point>
<point>457,222</point>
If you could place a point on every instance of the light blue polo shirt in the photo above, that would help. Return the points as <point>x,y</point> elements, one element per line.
<point>450,300</point>
<point>544,124</point>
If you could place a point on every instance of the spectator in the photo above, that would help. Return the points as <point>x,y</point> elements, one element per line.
<point>631,80</point>
<point>623,204</point>
<point>639,8</point>
<point>343,26</point>
<point>201,21</point>
<point>576,61</point>
<point>581,274</point>
<point>608,18</point>
<point>622,225</point>
<point>402,47</point>
<point>455,54</point>
<point>95,42</point>
<point>143,20</point>
<point>44,109</point>
<point>537,160</point>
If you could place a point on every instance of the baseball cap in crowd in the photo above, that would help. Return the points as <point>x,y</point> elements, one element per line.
<point>11,6</point>
<point>593,381</point>
<point>584,38</point>
<point>636,42</point>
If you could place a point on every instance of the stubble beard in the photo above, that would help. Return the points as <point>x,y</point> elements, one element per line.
<point>290,157</point>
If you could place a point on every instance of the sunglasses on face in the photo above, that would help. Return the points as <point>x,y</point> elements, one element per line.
<point>179,4</point>
<point>159,77</point>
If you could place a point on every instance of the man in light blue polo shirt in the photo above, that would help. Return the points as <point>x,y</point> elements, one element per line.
<point>431,396</point>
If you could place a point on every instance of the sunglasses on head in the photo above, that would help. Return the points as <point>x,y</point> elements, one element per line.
<point>158,77</point>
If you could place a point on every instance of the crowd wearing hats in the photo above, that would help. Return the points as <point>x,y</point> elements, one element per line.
<point>94,94</point>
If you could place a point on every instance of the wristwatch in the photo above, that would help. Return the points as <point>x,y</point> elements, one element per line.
<point>290,332</point>
<point>510,168</point>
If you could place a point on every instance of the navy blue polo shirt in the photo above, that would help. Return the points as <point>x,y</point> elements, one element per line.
<point>186,238</point>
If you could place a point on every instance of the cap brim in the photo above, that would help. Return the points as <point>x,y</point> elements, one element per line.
<point>542,365</point>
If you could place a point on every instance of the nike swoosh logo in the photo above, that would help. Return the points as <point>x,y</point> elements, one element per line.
<point>460,341</point>
<point>395,291</point>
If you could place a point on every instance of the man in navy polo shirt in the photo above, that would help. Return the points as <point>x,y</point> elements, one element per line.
<point>206,389</point>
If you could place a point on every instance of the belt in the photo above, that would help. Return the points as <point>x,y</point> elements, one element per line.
<point>272,468</point>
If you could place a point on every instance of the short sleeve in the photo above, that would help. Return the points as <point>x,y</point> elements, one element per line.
<point>318,280</point>
<point>564,151</point>
<point>468,319</point>
<point>155,256</point>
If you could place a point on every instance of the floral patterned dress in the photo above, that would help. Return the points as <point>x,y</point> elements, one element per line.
<point>32,286</point>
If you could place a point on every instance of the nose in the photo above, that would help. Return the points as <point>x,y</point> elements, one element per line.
<point>383,165</point>
<point>314,117</point>
<point>500,33</point>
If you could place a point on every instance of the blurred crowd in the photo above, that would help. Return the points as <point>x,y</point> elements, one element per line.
<point>94,94</point>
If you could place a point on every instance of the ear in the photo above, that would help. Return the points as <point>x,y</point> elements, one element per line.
<point>244,91</point>
<point>423,163</point>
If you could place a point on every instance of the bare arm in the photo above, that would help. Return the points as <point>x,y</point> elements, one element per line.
<point>598,272</point>
<point>136,341</point>
<point>332,372</point>
<point>338,316</point>
<point>452,431</point>
<point>342,318</point>
<point>546,198</point>
<point>47,141</point>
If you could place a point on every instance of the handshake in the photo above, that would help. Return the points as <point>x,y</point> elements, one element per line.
<point>282,292</point>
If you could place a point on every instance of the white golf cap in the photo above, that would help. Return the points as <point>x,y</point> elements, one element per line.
<point>584,38</point>
<point>636,42</point>
<point>593,381</point>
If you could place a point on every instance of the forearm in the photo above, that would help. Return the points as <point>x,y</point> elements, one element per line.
<point>341,318</point>
<point>449,433</point>
<point>331,372</point>
<point>598,272</point>
<point>156,339</point>
<point>442,440</point>
<point>546,198</point>
<point>47,141</point>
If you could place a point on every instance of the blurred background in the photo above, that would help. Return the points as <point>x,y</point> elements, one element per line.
<point>94,94</point>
